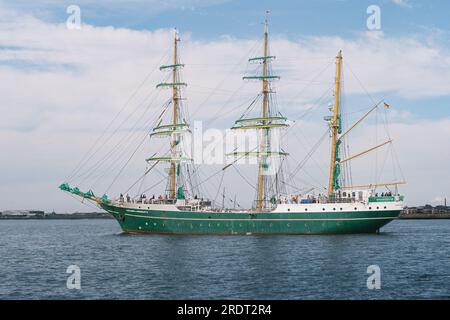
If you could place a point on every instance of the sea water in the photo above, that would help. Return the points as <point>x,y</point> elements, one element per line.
<point>413,257</point>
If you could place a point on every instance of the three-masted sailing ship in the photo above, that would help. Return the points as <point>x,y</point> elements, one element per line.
<point>343,210</point>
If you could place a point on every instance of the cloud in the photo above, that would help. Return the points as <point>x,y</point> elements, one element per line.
<point>61,87</point>
<point>402,3</point>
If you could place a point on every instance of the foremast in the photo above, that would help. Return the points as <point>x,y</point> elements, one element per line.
<point>176,128</point>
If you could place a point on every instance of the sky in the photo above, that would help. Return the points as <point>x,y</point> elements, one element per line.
<point>60,89</point>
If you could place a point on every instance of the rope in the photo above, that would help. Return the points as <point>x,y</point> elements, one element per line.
<point>225,78</point>
<point>243,177</point>
<point>88,204</point>
<point>83,160</point>
<point>218,189</point>
<point>142,178</point>
<point>117,160</point>
<point>129,159</point>
<point>310,154</point>
<point>156,184</point>
<point>93,168</point>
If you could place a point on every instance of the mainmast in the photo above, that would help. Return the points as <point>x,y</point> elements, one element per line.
<point>264,140</point>
<point>336,129</point>
<point>267,118</point>
<point>173,143</point>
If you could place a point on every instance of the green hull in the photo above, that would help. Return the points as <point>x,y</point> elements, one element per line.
<point>258,223</point>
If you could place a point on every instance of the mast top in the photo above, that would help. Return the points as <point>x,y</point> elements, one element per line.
<point>266,22</point>
<point>176,35</point>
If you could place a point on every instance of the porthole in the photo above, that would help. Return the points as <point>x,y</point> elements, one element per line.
<point>356,208</point>
<point>370,208</point>
<point>341,209</point>
<point>289,209</point>
<point>334,209</point>
<point>306,209</point>
<point>385,207</point>
<point>323,209</point>
<point>378,208</point>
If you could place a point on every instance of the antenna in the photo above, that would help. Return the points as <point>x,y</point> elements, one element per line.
<point>266,22</point>
<point>176,36</point>
<point>223,199</point>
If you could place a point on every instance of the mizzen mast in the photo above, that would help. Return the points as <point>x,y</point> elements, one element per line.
<point>336,128</point>
<point>337,138</point>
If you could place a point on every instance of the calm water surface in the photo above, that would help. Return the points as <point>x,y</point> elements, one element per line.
<point>414,257</point>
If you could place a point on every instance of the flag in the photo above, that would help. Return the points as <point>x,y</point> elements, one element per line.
<point>386,105</point>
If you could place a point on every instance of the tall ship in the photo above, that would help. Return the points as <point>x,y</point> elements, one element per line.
<point>342,209</point>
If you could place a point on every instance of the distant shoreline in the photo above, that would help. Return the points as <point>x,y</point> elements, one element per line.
<point>424,216</point>
<point>426,212</point>
<point>59,216</point>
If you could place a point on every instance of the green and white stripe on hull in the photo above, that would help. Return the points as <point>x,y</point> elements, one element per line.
<point>134,220</point>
